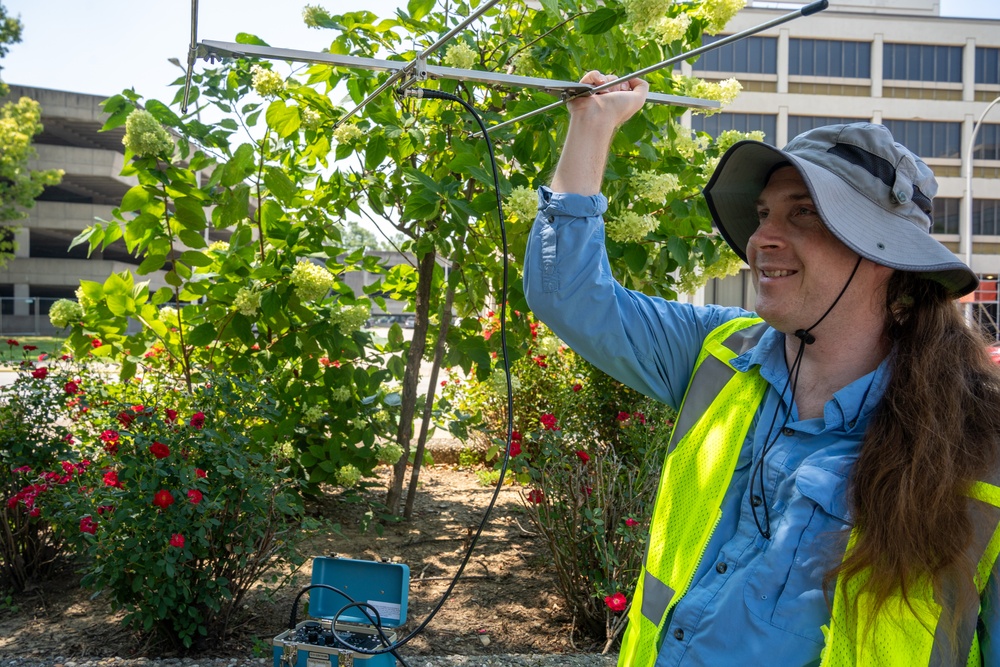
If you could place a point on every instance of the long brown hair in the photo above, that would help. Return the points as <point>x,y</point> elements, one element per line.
<point>936,431</point>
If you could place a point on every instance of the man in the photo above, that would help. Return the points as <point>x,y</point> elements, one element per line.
<point>827,497</point>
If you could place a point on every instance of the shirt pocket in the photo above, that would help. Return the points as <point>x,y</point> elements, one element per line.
<point>785,588</point>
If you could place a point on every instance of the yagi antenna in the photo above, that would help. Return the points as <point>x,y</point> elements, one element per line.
<point>416,70</point>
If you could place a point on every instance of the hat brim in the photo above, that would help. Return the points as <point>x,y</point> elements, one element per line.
<point>859,223</point>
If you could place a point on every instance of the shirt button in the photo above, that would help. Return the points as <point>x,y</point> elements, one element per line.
<point>852,423</point>
<point>721,568</point>
<point>756,501</point>
<point>787,431</point>
<point>679,634</point>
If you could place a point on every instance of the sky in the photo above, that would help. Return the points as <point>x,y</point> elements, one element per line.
<point>101,47</point>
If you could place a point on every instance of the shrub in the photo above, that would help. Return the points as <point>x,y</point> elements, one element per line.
<point>182,507</point>
<point>32,438</point>
<point>588,452</point>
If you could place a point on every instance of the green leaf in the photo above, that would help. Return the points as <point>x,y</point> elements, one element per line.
<point>282,118</point>
<point>151,263</point>
<point>190,212</point>
<point>195,258</point>
<point>601,21</point>
<point>376,151</point>
<point>247,38</point>
<point>136,197</point>
<point>240,166</point>
<point>162,295</point>
<point>279,184</point>
<point>203,334</point>
<point>418,9</point>
<point>191,238</point>
<point>636,255</point>
<point>678,250</point>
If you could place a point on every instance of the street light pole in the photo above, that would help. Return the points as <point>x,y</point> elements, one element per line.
<point>965,233</point>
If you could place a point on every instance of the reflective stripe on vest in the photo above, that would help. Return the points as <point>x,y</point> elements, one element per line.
<point>715,416</point>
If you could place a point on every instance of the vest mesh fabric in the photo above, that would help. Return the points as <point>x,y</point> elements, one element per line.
<point>692,485</point>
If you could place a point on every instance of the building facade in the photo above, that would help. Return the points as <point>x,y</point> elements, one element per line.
<point>43,268</point>
<point>926,77</point>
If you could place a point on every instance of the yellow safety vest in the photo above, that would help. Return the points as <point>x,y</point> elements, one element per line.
<point>715,417</point>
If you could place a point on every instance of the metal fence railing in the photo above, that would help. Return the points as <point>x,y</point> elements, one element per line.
<point>27,316</point>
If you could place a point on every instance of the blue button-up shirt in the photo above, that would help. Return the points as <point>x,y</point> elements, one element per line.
<point>752,600</point>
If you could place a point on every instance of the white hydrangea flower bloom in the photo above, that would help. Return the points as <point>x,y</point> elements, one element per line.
<point>314,413</point>
<point>654,186</point>
<point>460,55</point>
<point>341,394</point>
<point>548,345</point>
<point>630,227</point>
<point>390,453</point>
<point>347,133</point>
<point>669,30</point>
<point>64,312</point>
<point>311,280</point>
<point>645,14</point>
<point>144,135</point>
<point>267,82</point>
<point>348,476</point>
<point>247,300</point>
<point>522,204</point>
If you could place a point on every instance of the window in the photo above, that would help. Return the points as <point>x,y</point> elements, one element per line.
<point>987,65</point>
<point>987,142</point>
<point>754,55</point>
<point>946,212</point>
<point>817,57</point>
<point>799,124</point>
<point>744,122</point>
<point>986,217</point>
<point>922,62</point>
<point>928,139</point>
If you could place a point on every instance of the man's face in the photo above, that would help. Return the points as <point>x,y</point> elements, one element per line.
<point>799,267</point>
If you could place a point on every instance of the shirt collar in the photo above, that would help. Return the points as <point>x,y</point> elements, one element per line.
<point>851,406</point>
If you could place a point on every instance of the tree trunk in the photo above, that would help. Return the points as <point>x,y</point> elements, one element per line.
<point>418,456</point>
<point>411,376</point>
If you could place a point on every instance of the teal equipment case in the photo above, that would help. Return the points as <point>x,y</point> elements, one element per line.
<point>313,642</point>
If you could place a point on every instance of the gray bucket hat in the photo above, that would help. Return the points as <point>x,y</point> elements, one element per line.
<point>872,193</point>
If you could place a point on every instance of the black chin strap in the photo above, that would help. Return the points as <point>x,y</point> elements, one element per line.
<point>757,474</point>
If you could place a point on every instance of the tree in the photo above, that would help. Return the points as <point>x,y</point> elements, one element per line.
<point>270,302</point>
<point>19,122</point>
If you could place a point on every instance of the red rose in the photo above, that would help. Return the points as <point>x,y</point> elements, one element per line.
<point>536,496</point>
<point>616,602</point>
<point>87,525</point>
<point>111,479</point>
<point>515,448</point>
<point>540,360</point>
<point>71,387</point>
<point>138,409</point>
<point>65,357</point>
<point>159,450</point>
<point>96,343</point>
<point>163,499</point>
<point>577,387</point>
<point>195,496</point>
<point>171,415</point>
<point>623,416</point>
<point>639,417</point>
<point>105,509</point>
<point>583,456</point>
<point>548,421</point>
<point>30,348</point>
<point>198,472</point>
<point>40,373</point>
<point>125,418</point>
<point>631,523</point>
<point>198,420</point>
<point>177,540</point>
<point>12,342</point>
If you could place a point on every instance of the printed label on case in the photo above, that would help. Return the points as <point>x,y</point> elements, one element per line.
<point>386,609</point>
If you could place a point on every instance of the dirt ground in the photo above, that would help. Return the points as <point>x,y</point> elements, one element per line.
<point>505,603</point>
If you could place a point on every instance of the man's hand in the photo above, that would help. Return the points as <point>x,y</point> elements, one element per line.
<point>593,121</point>
<point>614,105</point>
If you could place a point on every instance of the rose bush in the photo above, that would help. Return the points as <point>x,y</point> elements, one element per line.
<point>587,451</point>
<point>32,438</point>
<point>176,502</point>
